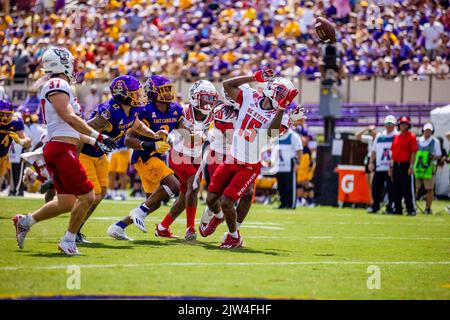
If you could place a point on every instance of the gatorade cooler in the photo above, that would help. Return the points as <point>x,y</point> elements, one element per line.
<point>353,186</point>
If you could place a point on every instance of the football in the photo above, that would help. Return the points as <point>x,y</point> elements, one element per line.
<point>325,30</point>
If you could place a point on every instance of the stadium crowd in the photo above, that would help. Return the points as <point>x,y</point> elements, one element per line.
<point>216,39</point>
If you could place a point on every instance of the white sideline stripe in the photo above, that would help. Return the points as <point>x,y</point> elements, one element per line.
<point>277,237</point>
<point>231,264</point>
<point>246,223</point>
<point>347,237</point>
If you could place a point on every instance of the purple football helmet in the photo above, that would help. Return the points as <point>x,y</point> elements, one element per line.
<point>6,112</point>
<point>159,88</point>
<point>127,90</point>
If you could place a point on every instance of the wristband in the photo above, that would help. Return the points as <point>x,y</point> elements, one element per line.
<point>94,134</point>
<point>91,141</point>
<point>148,146</point>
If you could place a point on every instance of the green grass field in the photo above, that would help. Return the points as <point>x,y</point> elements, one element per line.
<point>309,253</point>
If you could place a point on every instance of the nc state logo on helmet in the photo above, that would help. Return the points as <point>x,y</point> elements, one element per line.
<point>202,96</point>
<point>56,60</point>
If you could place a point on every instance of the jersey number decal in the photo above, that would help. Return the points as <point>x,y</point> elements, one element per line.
<point>249,128</point>
<point>5,141</point>
<point>53,84</point>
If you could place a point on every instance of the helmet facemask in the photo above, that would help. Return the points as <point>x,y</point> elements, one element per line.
<point>5,117</point>
<point>165,92</point>
<point>205,101</point>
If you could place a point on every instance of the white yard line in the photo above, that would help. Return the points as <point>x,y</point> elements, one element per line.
<point>230,264</point>
<point>276,237</point>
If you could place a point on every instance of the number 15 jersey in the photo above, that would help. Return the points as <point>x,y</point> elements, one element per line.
<point>251,128</point>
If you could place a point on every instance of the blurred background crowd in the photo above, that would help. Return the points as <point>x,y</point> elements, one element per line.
<point>215,39</point>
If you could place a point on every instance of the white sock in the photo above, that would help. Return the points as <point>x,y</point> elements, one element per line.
<point>238,225</point>
<point>234,234</point>
<point>122,193</point>
<point>70,236</point>
<point>160,227</point>
<point>219,215</point>
<point>30,220</point>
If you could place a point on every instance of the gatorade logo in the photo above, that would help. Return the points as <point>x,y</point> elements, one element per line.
<point>348,183</point>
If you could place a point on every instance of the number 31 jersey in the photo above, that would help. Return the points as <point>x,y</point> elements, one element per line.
<point>250,136</point>
<point>55,125</point>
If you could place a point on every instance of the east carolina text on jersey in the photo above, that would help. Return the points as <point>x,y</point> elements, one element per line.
<point>118,123</point>
<point>157,120</point>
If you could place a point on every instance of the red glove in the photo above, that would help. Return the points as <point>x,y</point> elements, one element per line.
<point>283,103</point>
<point>263,75</point>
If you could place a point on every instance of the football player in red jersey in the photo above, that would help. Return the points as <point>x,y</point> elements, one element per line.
<point>259,120</point>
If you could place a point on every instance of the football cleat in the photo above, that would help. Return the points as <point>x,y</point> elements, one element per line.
<point>210,227</point>
<point>230,242</point>
<point>22,228</point>
<point>68,247</point>
<point>206,216</point>
<point>164,233</point>
<point>117,233</point>
<point>138,216</point>
<point>81,238</point>
<point>191,235</point>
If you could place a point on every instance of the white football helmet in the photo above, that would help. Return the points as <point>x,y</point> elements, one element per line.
<point>57,60</point>
<point>202,96</point>
<point>277,88</point>
<point>227,99</point>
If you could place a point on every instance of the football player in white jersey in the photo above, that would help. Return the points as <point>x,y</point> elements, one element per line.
<point>220,137</point>
<point>61,113</point>
<point>259,120</point>
<point>185,158</point>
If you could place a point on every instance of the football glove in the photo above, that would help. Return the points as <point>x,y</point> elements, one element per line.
<point>103,147</point>
<point>161,146</point>
<point>15,137</point>
<point>263,75</point>
<point>107,141</point>
<point>155,147</point>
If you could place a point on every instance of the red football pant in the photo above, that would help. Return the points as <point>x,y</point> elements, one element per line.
<point>67,172</point>
<point>233,180</point>
<point>182,170</point>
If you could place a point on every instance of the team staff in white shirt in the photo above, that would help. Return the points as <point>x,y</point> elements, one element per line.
<point>380,160</point>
